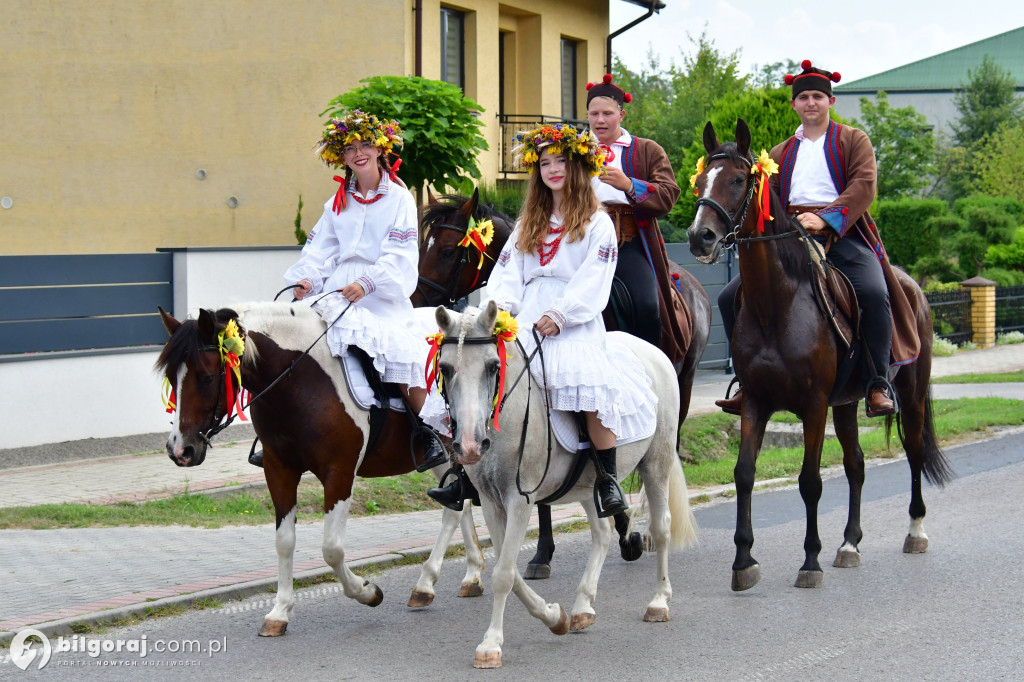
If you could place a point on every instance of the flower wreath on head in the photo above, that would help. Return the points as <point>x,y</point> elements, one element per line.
<point>356,127</point>
<point>558,138</point>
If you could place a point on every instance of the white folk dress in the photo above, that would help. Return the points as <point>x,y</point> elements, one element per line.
<point>375,244</point>
<point>584,372</point>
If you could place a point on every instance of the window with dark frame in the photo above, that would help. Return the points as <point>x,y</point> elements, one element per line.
<point>453,63</point>
<point>568,78</point>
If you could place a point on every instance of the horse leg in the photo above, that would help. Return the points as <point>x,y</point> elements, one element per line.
<point>746,572</point>
<point>283,484</point>
<point>810,574</point>
<point>656,485</point>
<point>472,582</point>
<point>508,529</point>
<point>844,417</point>
<point>539,567</point>
<point>335,521</point>
<point>583,614</point>
<point>915,424</point>
<point>423,591</point>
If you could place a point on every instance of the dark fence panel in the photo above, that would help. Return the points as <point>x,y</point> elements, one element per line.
<point>58,303</point>
<point>951,315</point>
<point>713,278</point>
<point>1009,309</point>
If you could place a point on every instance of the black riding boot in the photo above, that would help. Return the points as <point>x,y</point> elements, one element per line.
<point>434,453</point>
<point>453,494</point>
<point>606,488</point>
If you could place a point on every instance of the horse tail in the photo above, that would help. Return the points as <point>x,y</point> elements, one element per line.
<point>936,466</point>
<point>683,531</point>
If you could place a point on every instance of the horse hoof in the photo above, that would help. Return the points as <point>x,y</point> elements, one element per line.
<point>846,558</point>
<point>562,626</point>
<point>914,545</point>
<point>745,579</point>
<point>809,579</point>
<point>273,628</point>
<point>656,615</point>
<point>632,548</point>
<point>473,589</point>
<point>378,597</point>
<point>418,600</point>
<point>581,621</point>
<point>537,571</point>
<point>487,660</point>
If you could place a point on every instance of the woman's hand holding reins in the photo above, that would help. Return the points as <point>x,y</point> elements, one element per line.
<point>302,289</point>
<point>352,292</point>
<point>546,326</point>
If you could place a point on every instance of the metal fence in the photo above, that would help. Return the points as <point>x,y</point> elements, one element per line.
<point>510,124</point>
<point>951,315</point>
<point>1009,309</point>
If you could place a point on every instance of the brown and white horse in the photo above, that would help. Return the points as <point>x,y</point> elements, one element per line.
<point>306,422</point>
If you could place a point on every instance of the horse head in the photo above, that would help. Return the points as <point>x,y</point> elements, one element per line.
<point>722,185</point>
<point>470,366</point>
<point>192,363</point>
<point>452,262</point>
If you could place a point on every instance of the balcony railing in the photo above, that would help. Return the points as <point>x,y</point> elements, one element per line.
<point>510,124</point>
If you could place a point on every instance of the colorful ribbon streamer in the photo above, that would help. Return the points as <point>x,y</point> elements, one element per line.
<point>339,196</point>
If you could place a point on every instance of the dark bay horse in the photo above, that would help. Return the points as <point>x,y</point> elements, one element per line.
<point>307,421</point>
<point>448,272</point>
<point>786,357</point>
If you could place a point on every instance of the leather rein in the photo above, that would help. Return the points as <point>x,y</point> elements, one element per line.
<point>428,288</point>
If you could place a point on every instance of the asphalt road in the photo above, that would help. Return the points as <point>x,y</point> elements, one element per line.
<point>950,614</point>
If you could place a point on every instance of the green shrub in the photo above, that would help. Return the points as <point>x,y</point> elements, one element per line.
<point>939,287</point>
<point>1003,277</point>
<point>908,229</point>
<point>1005,205</point>
<point>1008,338</point>
<point>505,196</point>
<point>943,348</point>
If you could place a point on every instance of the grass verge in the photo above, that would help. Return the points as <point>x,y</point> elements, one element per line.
<point>709,444</point>
<point>1006,377</point>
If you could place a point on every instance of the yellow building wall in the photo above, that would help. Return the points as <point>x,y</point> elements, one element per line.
<point>111,108</point>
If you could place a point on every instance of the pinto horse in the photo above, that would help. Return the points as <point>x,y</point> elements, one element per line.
<point>307,421</point>
<point>448,272</point>
<point>470,363</point>
<point>787,358</point>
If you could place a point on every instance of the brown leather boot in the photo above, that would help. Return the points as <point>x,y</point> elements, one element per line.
<point>879,403</point>
<point>732,405</point>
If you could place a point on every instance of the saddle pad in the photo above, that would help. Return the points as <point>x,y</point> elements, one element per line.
<point>359,387</point>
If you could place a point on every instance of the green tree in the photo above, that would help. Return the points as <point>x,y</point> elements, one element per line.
<point>441,127</point>
<point>904,146</point>
<point>772,75</point>
<point>987,101</point>
<point>1000,162</point>
<point>987,224</point>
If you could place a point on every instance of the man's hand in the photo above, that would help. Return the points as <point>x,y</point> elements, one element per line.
<point>352,292</point>
<point>302,289</point>
<point>616,178</point>
<point>813,223</point>
<point>546,326</point>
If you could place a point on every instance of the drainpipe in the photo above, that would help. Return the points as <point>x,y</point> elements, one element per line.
<point>608,48</point>
<point>418,9</point>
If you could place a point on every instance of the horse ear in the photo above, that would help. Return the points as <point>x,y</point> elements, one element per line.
<point>469,208</point>
<point>170,324</point>
<point>742,137</point>
<point>431,199</point>
<point>444,319</point>
<point>487,317</point>
<point>710,139</point>
<point>207,325</point>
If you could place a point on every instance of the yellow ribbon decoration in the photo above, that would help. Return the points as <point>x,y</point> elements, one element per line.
<point>764,167</point>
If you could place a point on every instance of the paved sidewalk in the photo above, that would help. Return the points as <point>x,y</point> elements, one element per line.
<point>55,578</point>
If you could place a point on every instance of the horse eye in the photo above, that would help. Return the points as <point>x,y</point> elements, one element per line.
<point>208,380</point>
<point>493,366</point>
<point>739,180</point>
<point>446,370</point>
<point>448,253</point>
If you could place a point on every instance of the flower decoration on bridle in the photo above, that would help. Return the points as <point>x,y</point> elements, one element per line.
<point>479,236</point>
<point>558,138</point>
<point>763,168</point>
<point>693,178</point>
<point>506,328</point>
<point>431,373</point>
<point>232,346</point>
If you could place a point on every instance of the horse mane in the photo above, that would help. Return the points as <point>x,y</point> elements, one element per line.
<point>183,344</point>
<point>441,211</point>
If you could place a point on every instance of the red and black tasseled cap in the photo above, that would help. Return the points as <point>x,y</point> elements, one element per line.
<point>608,89</point>
<point>812,78</point>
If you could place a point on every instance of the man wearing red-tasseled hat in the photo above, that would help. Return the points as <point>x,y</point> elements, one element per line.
<point>827,179</point>
<point>637,186</point>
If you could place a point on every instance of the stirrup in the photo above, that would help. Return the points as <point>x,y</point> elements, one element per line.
<point>452,495</point>
<point>883,383</point>
<point>256,456</point>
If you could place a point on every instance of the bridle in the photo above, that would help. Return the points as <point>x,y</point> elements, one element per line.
<point>430,289</point>
<point>735,221</point>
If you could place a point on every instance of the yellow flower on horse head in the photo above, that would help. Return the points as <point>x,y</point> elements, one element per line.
<point>700,169</point>
<point>230,340</point>
<point>484,231</point>
<point>506,326</point>
<point>765,165</point>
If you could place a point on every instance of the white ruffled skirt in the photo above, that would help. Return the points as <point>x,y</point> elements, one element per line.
<point>385,329</point>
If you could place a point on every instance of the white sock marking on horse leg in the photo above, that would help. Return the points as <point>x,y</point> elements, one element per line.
<point>709,183</point>
<point>432,566</point>
<point>917,528</point>
<point>335,522</point>
<point>284,540</point>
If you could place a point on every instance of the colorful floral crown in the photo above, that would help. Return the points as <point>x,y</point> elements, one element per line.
<point>559,138</point>
<point>355,127</point>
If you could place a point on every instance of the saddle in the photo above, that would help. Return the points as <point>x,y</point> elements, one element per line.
<point>834,295</point>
